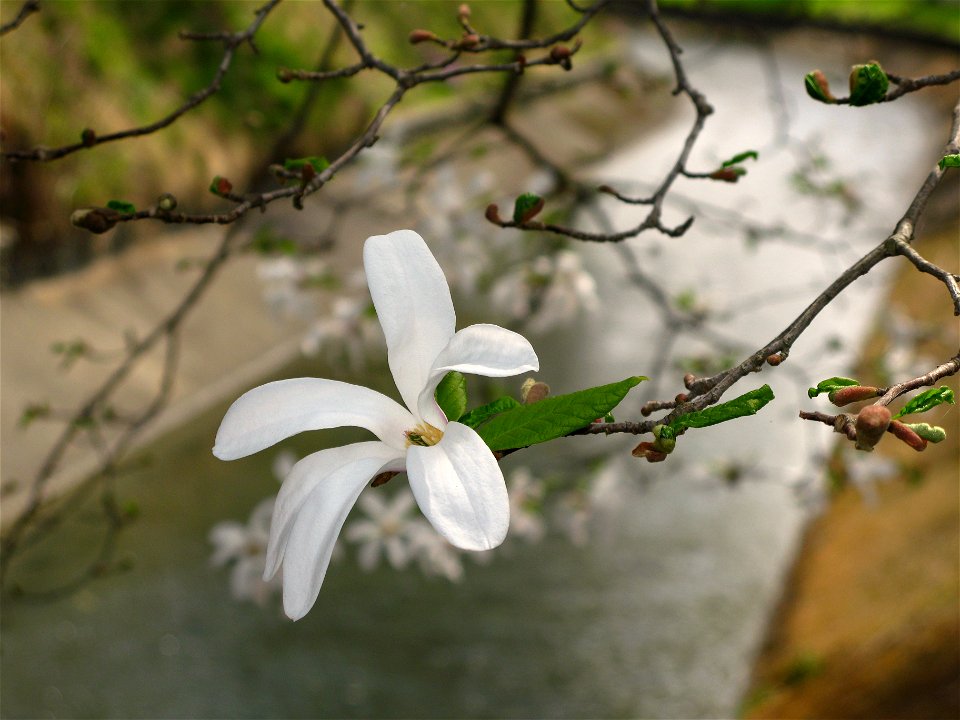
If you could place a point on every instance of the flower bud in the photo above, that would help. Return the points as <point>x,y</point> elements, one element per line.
<point>728,174</point>
<point>419,36</point>
<point>493,214</point>
<point>533,391</point>
<point>775,359</point>
<point>688,380</point>
<point>818,88</point>
<point>666,439</point>
<point>851,394</point>
<point>463,12</point>
<point>167,202</point>
<point>872,423</point>
<point>88,137</point>
<point>96,219</point>
<point>681,398</point>
<point>649,452</point>
<point>284,75</point>
<point>906,433</point>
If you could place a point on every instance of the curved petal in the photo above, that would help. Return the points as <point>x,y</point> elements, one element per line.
<point>459,487</point>
<point>307,475</point>
<point>413,304</point>
<point>488,350</point>
<point>317,522</point>
<point>269,413</point>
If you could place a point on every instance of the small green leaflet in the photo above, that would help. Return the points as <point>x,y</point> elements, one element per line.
<point>740,157</point>
<point>949,161</point>
<point>747,404</point>
<point>553,417</point>
<point>526,207</point>
<point>930,433</point>
<point>817,87</point>
<point>485,412</point>
<point>296,164</point>
<point>868,84</point>
<point>121,206</point>
<point>452,395</point>
<point>926,400</point>
<point>831,384</point>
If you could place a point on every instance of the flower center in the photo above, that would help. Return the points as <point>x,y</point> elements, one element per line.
<point>424,435</point>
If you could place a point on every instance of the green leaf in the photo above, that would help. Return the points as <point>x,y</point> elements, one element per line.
<point>267,241</point>
<point>949,161</point>
<point>319,163</point>
<point>747,404</point>
<point>485,412</point>
<point>121,206</point>
<point>451,395</point>
<point>926,400</point>
<point>526,207</point>
<point>554,416</point>
<point>931,433</point>
<point>740,157</point>
<point>868,84</point>
<point>831,384</point>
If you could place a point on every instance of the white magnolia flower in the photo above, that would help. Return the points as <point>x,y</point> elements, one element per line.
<point>455,478</point>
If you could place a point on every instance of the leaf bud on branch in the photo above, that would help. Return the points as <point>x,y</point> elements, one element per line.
<point>871,424</point>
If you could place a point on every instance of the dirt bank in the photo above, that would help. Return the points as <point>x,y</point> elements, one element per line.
<point>869,625</point>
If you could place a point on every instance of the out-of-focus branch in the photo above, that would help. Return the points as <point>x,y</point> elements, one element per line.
<point>89,138</point>
<point>26,10</point>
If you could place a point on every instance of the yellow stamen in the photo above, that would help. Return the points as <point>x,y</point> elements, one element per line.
<point>424,435</point>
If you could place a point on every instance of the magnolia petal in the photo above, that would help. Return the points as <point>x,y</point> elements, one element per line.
<point>488,350</point>
<point>413,305</point>
<point>460,489</point>
<point>269,413</point>
<point>307,475</point>
<point>307,552</point>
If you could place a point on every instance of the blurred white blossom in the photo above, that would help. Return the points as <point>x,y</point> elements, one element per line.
<point>548,292</point>
<point>434,555</point>
<point>385,531</point>
<point>526,498</point>
<point>245,547</point>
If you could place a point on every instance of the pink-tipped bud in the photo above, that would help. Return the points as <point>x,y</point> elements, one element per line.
<point>493,214</point>
<point>854,393</point>
<point>872,423</point>
<point>419,36</point>
<point>908,435</point>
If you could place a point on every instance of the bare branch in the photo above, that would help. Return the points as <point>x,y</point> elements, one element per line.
<point>26,10</point>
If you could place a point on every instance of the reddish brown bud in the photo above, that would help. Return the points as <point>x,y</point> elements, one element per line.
<point>775,359</point>
<point>559,52</point>
<point>681,398</point>
<point>521,60</point>
<point>96,219</point>
<point>853,393</point>
<point>88,137</point>
<point>729,175</point>
<point>872,423</point>
<point>383,478</point>
<point>468,41</point>
<point>284,75</point>
<point>493,214</point>
<point>647,451</point>
<point>908,435</point>
<point>688,380</point>
<point>606,189</point>
<point>307,173</point>
<point>533,391</point>
<point>419,36</point>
